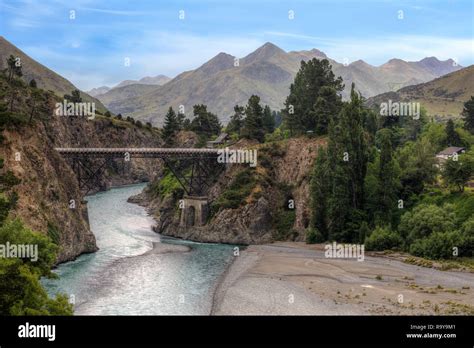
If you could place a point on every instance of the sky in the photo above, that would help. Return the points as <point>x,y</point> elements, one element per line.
<point>96,43</point>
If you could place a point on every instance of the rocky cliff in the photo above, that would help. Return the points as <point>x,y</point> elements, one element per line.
<point>248,205</point>
<point>50,201</point>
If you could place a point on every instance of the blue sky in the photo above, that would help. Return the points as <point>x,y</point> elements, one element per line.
<point>91,49</point>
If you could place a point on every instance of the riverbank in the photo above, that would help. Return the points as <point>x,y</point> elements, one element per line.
<point>291,278</point>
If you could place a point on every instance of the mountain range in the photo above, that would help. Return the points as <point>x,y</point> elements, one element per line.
<point>225,81</point>
<point>158,80</point>
<point>444,96</point>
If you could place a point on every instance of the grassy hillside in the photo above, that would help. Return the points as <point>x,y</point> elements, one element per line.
<point>44,77</point>
<point>443,96</point>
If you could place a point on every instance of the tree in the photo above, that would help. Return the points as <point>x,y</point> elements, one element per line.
<point>75,96</point>
<point>13,67</point>
<point>468,115</point>
<point>253,123</point>
<point>180,118</point>
<point>346,168</point>
<point>320,186</point>
<point>299,115</point>
<point>237,120</point>
<point>388,181</point>
<point>417,164</point>
<point>35,96</point>
<point>205,123</point>
<point>458,172</point>
<point>452,137</point>
<point>328,104</point>
<point>426,219</point>
<point>21,292</point>
<point>171,126</point>
<point>268,120</point>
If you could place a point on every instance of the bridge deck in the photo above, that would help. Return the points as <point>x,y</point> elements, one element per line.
<point>138,152</point>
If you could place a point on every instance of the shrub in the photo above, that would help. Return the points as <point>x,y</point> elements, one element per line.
<point>238,190</point>
<point>21,292</point>
<point>283,221</point>
<point>423,220</point>
<point>314,236</point>
<point>382,238</point>
<point>439,245</point>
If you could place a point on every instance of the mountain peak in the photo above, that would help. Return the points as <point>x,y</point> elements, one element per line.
<point>430,60</point>
<point>221,61</point>
<point>264,52</point>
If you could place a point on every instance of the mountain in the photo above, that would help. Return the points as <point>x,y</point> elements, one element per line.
<point>98,91</point>
<point>225,81</point>
<point>44,77</point>
<point>443,96</point>
<point>158,80</point>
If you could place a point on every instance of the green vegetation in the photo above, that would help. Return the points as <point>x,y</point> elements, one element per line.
<point>168,185</point>
<point>171,127</point>
<point>21,292</point>
<point>378,181</point>
<point>313,98</point>
<point>468,114</point>
<point>253,121</point>
<point>239,189</point>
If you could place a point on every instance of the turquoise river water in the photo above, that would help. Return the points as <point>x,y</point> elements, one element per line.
<point>120,280</point>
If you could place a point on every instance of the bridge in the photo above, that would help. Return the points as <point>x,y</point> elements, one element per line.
<point>195,170</point>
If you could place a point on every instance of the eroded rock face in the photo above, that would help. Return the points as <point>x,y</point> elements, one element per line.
<point>253,222</point>
<point>48,185</point>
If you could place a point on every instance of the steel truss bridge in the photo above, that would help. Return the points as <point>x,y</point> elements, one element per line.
<point>195,169</point>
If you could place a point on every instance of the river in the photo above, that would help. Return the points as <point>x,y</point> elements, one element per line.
<point>123,279</point>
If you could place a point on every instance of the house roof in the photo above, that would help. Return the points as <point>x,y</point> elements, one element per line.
<point>450,150</point>
<point>220,138</point>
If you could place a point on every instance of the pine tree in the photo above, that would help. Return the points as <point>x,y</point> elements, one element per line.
<point>327,105</point>
<point>13,68</point>
<point>75,96</point>
<point>468,114</point>
<point>452,137</point>
<point>205,123</point>
<point>253,123</point>
<point>170,126</point>
<point>237,120</point>
<point>298,114</point>
<point>268,120</point>
<point>180,119</point>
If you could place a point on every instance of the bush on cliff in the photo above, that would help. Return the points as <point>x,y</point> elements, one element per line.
<point>21,292</point>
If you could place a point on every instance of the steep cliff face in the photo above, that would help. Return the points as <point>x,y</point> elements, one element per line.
<point>50,201</point>
<point>249,205</point>
<point>108,132</point>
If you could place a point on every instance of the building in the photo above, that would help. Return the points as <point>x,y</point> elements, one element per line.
<point>221,139</point>
<point>448,153</point>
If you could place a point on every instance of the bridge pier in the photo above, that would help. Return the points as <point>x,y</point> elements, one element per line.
<point>194,212</point>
